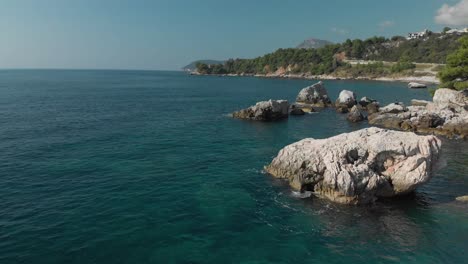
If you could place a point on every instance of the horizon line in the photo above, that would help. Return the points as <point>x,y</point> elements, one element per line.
<point>86,69</point>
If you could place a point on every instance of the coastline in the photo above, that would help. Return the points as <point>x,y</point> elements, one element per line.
<point>422,79</point>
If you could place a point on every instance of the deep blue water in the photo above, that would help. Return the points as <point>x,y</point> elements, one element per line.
<point>146,167</point>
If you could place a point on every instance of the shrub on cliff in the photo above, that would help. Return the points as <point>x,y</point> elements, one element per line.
<point>455,74</point>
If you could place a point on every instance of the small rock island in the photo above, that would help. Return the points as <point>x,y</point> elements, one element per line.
<point>271,110</point>
<point>358,167</point>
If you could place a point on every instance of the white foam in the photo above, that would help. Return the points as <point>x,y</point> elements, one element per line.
<point>301,195</point>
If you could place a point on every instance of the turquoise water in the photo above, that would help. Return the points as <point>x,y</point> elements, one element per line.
<point>146,167</point>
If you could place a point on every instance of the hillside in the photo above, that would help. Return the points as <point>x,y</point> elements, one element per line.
<point>313,44</point>
<point>332,59</point>
<point>193,65</point>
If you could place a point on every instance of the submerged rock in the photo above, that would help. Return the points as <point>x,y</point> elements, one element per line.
<point>414,85</point>
<point>315,96</point>
<point>358,167</point>
<point>265,111</point>
<point>355,115</point>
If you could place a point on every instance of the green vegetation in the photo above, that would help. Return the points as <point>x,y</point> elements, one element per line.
<point>455,74</point>
<point>193,65</point>
<point>403,64</point>
<point>210,69</point>
<point>371,70</point>
<point>332,58</point>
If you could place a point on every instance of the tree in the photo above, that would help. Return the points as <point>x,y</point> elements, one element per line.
<point>202,68</point>
<point>357,49</point>
<point>446,29</point>
<point>455,73</point>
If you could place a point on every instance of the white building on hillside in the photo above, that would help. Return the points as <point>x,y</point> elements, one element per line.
<point>417,35</point>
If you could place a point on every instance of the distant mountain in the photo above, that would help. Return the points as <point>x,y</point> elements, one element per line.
<point>192,66</point>
<point>313,43</point>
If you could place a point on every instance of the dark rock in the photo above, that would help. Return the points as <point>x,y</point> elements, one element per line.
<point>430,121</point>
<point>355,115</point>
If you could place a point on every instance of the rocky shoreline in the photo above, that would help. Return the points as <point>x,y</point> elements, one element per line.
<point>421,79</point>
<point>371,163</point>
<point>446,115</point>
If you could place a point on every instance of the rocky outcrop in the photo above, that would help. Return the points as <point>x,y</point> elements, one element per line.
<point>415,85</point>
<point>358,167</point>
<point>347,98</point>
<point>345,101</point>
<point>448,98</point>
<point>446,115</point>
<point>355,115</point>
<point>265,111</point>
<point>314,96</point>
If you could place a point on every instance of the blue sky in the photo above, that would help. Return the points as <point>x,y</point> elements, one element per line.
<point>167,34</point>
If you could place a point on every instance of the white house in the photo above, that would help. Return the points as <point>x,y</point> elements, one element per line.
<point>417,35</point>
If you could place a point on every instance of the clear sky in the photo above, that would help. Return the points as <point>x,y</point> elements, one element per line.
<point>167,34</point>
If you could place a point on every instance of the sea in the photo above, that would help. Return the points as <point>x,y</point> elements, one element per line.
<point>114,166</point>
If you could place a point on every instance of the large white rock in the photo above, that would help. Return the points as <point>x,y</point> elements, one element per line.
<point>314,95</point>
<point>358,167</point>
<point>347,98</point>
<point>447,97</point>
<point>265,111</point>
